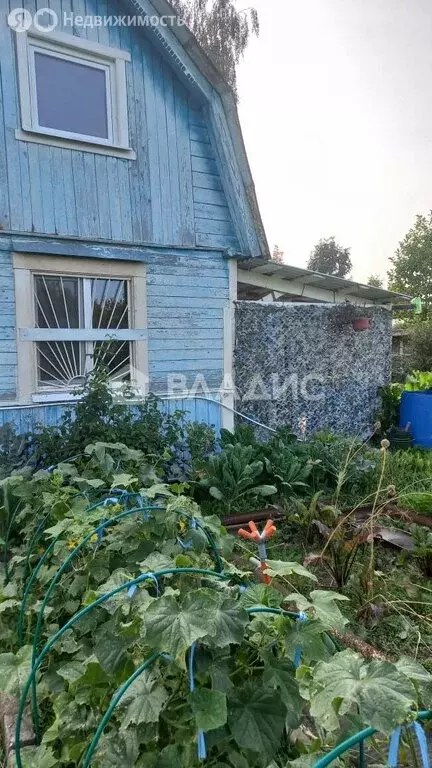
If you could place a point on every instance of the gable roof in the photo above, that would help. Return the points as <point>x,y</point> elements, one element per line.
<point>178,45</point>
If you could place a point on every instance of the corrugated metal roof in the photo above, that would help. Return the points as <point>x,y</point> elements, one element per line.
<point>319,280</point>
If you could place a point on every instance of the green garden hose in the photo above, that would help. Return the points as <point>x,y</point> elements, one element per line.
<point>31,680</point>
<point>49,592</point>
<point>118,696</point>
<point>358,738</point>
<point>114,702</point>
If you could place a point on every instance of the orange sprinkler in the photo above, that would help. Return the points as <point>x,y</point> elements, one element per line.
<point>260,539</point>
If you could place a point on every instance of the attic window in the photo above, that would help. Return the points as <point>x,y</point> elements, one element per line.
<point>72,90</point>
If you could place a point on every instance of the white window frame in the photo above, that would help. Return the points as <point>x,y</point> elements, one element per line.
<point>25,268</point>
<point>60,45</point>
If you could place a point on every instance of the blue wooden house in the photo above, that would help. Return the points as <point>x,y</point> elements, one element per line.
<point>125,201</point>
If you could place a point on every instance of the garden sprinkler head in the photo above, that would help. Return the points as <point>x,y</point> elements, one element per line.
<point>260,540</point>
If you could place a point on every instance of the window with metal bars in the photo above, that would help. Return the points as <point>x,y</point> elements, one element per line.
<point>99,309</point>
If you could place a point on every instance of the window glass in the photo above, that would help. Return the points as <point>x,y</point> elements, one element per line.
<point>71,96</point>
<point>110,303</point>
<point>60,303</point>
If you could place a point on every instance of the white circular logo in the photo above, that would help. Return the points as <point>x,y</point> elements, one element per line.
<point>45,20</point>
<point>20,20</point>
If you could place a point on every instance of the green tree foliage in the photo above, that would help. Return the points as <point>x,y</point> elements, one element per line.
<point>330,258</point>
<point>278,255</point>
<point>411,270</point>
<point>222,30</point>
<point>375,280</point>
<point>419,345</point>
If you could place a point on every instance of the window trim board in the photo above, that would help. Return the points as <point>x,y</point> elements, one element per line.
<point>63,45</point>
<point>25,266</point>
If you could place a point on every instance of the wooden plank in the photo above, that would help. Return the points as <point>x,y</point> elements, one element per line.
<point>186,281</point>
<point>177,302</point>
<point>194,272</point>
<point>8,359</point>
<point>176,366</point>
<point>91,201</point>
<point>206,226</point>
<point>204,165</point>
<point>46,190</point>
<point>7,308</point>
<point>170,84</point>
<point>184,162</point>
<point>187,293</point>
<point>199,134</point>
<point>213,212</point>
<point>162,335</point>
<point>217,241</point>
<point>4,196</point>
<point>103,197</point>
<point>200,149</point>
<point>132,167</point>
<point>159,319</point>
<point>163,164</point>
<point>35,187</point>
<point>211,196</point>
<point>153,147</point>
<point>186,346</point>
<point>11,120</point>
<point>141,141</point>
<point>206,181</point>
<point>69,192</point>
<point>59,198</point>
<point>124,199</point>
<point>112,191</point>
<point>8,345</point>
<point>27,222</point>
<point>197,117</point>
<point>80,187</point>
<point>7,332</point>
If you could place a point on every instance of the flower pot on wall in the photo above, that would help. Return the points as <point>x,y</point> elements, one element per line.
<point>362,323</point>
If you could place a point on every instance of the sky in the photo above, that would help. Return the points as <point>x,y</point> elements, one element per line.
<point>336,111</point>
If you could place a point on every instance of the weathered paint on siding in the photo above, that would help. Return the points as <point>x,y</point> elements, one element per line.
<point>187,292</point>
<point>26,419</point>
<point>171,195</point>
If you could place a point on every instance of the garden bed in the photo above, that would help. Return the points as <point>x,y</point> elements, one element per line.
<point>118,559</point>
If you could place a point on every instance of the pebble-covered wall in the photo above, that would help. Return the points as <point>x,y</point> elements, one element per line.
<point>305,366</point>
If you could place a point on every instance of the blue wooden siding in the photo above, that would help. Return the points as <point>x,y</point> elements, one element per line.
<point>8,355</point>
<point>187,292</point>
<point>26,419</point>
<point>171,195</point>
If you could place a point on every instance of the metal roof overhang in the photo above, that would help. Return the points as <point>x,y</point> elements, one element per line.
<point>259,277</point>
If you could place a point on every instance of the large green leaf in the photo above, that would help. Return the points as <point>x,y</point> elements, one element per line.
<point>256,718</point>
<point>259,595</point>
<point>118,749</point>
<point>229,622</point>
<point>145,698</point>
<point>265,490</point>
<point>15,669</point>
<point>38,757</point>
<point>384,696</point>
<point>172,628</point>
<point>110,649</point>
<point>209,708</point>
<point>416,672</point>
<point>323,606</point>
<point>280,674</point>
<point>283,568</point>
<point>309,637</point>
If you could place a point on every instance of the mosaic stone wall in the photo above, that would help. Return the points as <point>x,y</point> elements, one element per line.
<point>305,366</point>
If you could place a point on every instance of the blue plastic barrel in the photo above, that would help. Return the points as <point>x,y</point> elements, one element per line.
<point>416,412</point>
